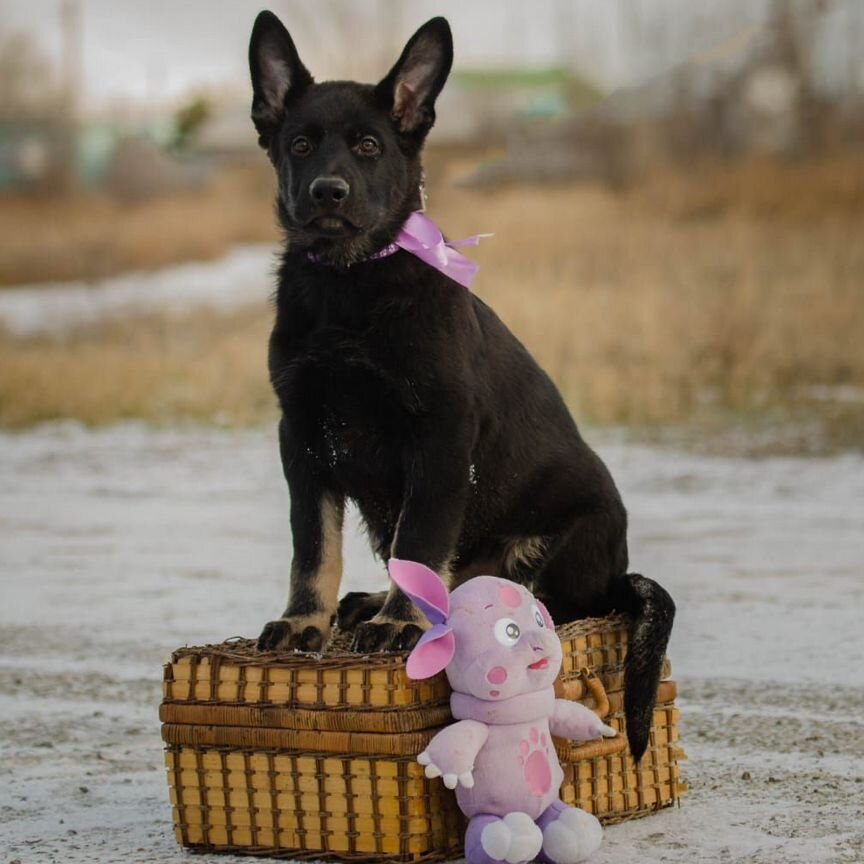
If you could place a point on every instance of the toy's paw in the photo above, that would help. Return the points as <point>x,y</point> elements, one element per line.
<point>451,779</point>
<point>572,837</point>
<point>514,839</point>
<point>295,633</point>
<point>607,731</point>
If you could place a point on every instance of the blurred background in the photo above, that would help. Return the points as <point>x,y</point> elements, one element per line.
<point>676,188</point>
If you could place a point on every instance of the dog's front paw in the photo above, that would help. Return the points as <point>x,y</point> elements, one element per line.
<point>297,633</point>
<point>358,606</point>
<point>383,635</point>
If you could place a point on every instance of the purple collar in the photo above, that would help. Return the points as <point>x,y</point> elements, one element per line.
<point>422,238</point>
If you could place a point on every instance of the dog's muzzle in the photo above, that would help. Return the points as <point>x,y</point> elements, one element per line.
<point>329,193</point>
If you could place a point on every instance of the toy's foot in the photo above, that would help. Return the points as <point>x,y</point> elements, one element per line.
<point>514,839</point>
<point>569,834</point>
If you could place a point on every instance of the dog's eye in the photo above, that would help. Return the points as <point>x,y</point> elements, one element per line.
<point>368,146</point>
<point>300,146</point>
<point>507,632</point>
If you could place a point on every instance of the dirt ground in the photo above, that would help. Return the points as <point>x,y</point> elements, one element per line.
<point>120,544</point>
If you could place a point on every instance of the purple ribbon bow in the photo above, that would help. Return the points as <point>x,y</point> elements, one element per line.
<point>423,238</point>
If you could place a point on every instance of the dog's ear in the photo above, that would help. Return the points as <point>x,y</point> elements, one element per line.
<point>276,73</point>
<point>413,84</point>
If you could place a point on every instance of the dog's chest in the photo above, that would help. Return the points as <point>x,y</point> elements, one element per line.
<point>349,405</point>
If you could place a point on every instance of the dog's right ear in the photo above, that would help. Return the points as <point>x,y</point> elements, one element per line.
<point>277,73</point>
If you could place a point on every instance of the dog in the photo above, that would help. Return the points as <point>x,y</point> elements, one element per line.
<point>404,392</point>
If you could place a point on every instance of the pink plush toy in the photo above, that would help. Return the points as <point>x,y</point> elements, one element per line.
<point>501,653</point>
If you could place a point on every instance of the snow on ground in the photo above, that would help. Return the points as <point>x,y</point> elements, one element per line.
<point>116,546</point>
<point>241,277</point>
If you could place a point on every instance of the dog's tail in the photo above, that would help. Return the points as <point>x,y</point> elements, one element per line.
<point>652,611</point>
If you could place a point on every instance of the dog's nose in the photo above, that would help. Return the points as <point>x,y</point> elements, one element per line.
<point>329,191</point>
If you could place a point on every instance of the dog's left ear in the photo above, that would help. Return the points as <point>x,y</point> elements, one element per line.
<point>413,84</point>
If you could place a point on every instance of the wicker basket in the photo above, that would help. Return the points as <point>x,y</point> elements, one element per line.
<point>308,756</point>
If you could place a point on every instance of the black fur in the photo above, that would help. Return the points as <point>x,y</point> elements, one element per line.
<point>404,392</point>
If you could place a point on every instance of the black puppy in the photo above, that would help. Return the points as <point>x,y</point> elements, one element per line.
<point>404,392</point>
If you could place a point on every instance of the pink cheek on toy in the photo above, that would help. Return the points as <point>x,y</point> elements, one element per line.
<point>496,675</point>
<point>509,596</point>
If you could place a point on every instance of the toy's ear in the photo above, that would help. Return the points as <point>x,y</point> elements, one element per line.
<point>423,586</point>
<point>432,653</point>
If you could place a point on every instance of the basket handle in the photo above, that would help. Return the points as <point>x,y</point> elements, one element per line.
<point>602,747</point>
<point>587,684</point>
<point>575,690</point>
<point>597,690</point>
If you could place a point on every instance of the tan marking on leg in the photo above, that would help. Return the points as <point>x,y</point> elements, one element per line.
<point>445,571</point>
<point>524,553</point>
<point>329,575</point>
<point>324,583</point>
<point>319,620</point>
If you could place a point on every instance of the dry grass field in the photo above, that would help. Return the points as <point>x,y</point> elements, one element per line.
<point>91,236</point>
<point>695,297</point>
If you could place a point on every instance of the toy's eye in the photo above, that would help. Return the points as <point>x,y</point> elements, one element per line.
<point>368,146</point>
<point>507,632</point>
<point>301,146</point>
<point>538,616</point>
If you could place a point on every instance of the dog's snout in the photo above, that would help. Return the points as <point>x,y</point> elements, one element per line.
<point>329,191</point>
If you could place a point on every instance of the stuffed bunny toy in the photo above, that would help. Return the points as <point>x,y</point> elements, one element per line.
<point>501,654</point>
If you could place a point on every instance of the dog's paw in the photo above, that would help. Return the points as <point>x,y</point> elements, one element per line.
<point>298,633</point>
<point>358,606</point>
<point>372,636</point>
